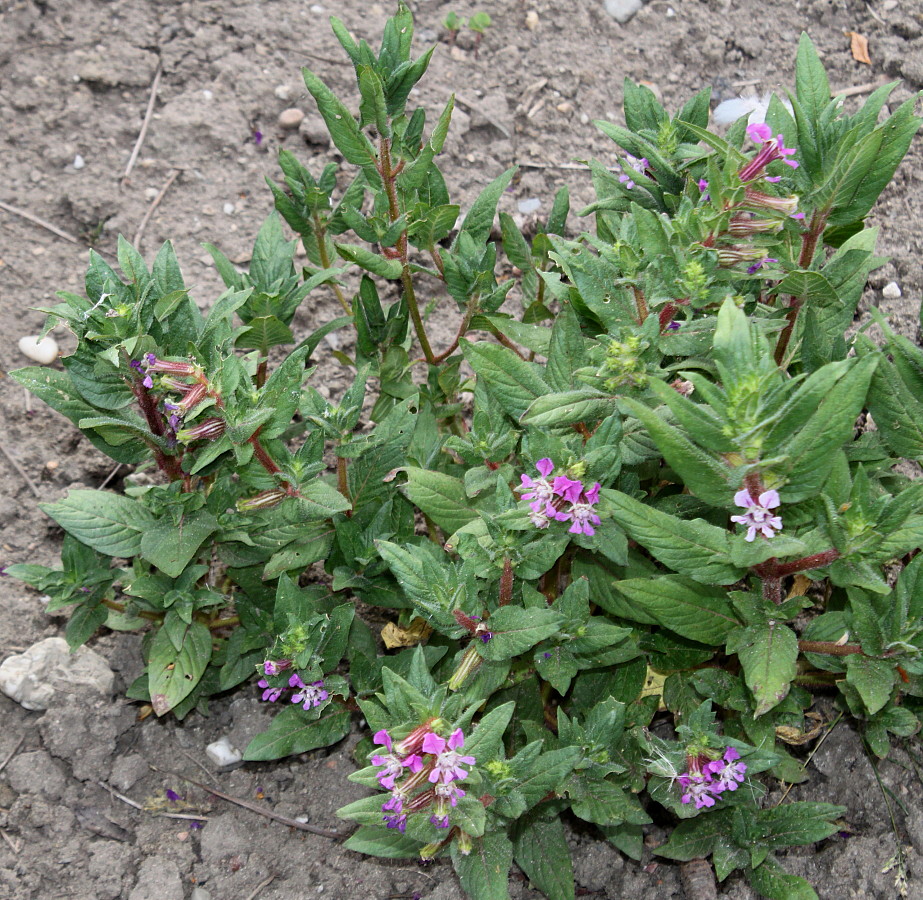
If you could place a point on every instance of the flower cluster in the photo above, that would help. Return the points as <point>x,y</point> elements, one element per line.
<point>705,781</point>
<point>309,695</point>
<point>635,165</point>
<point>773,148</point>
<point>758,516</point>
<point>434,764</point>
<point>561,499</point>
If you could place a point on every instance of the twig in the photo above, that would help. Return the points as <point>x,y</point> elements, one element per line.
<point>261,885</point>
<point>811,756</point>
<point>857,89</point>
<point>192,759</point>
<point>15,846</point>
<point>119,796</point>
<point>874,14</point>
<point>110,476</point>
<point>190,816</point>
<point>154,204</point>
<point>52,228</point>
<point>22,471</point>
<point>575,166</point>
<point>147,120</point>
<point>260,810</point>
<point>12,753</point>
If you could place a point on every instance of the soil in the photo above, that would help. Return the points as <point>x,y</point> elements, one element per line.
<point>75,79</point>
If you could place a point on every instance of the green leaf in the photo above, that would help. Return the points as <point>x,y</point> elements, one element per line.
<point>387,843</point>
<point>264,332</point>
<point>691,610</point>
<point>484,742</point>
<point>319,500</point>
<point>344,130</point>
<point>703,474</point>
<point>516,630</point>
<point>514,382</point>
<point>599,801</point>
<point>480,218</point>
<point>295,730</point>
<point>811,85</point>
<point>540,850</point>
<point>107,522</point>
<point>172,673</point>
<point>441,497</point>
<point>768,654</point>
<point>484,872</point>
<point>694,838</point>
<point>568,408</point>
<point>371,262</point>
<point>171,547</point>
<point>797,824</point>
<point>83,624</point>
<point>692,548</point>
<point>898,413</point>
<point>772,881</point>
<point>872,678</point>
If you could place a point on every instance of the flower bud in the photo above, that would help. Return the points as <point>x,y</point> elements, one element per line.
<point>204,431</point>
<point>263,500</point>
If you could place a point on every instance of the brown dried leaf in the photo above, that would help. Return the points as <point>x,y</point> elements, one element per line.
<point>859,47</point>
<point>395,636</point>
<point>795,736</point>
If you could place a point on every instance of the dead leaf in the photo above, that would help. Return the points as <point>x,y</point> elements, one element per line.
<point>395,636</point>
<point>653,686</point>
<point>799,587</point>
<point>795,736</point>
<point>859,46</point>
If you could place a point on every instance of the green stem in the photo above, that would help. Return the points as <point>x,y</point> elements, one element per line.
<point>320,234</point>
<point>389,178</point>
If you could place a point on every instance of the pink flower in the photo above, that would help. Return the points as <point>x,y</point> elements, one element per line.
<point>758,516</point>
<point>773,148</point>
<point>310,695</point>
<point>393,764</point>
<point>448,764</point>
<point>727,772</point>
<point>697,787</point>
<point>540,490</point>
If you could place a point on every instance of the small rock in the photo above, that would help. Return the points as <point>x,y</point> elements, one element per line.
<point>158,879</point>
<point>291,118</point>
<point>317,8</point>
<point>283,91</point>
<point>44,350</point>
<point>79,162</point>
<point>622,10</point>
<point>222,753</point>
<point>530,205</point>
<point>891,291</point>
<point>127,771</point>
<point>228,209</point>
<point>34,678</point>
<point>199,893</point>
<point>36,772</point>
<point>565,107</point>
<point>314,131</point>
<point>531,20</point>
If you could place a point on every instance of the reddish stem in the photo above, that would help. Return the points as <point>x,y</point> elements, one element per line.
<point>773,569</point>
<point>829,648</point>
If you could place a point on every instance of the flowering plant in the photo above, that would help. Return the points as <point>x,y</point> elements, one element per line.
<point>548,515</point>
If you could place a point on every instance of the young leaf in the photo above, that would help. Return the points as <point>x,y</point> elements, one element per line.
<point>484,872</point>
<point>295,730</point>
<point>768,654</point>
<point>540,850</point>
<point>172,673</point>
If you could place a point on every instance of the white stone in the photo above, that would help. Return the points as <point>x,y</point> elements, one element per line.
<point>530,205</point>
<point>622,10</point>
<point>283,91</point>
<point>79,162</point>
<point>42,351</point>
<point>891,291</point>
<point>48,669</point>
<point>223,753</point>
<point>290,118</point>
<point>228,209</point>
<point>531,20</point>
<point>208,94</point>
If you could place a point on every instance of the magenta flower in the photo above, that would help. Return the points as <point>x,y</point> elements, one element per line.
<point>759,264</point>
<point>270,693</point>
<point>697,788</point>
<point>634,164</point>
<point>274,667</point>
<point>540,518</point>
<point>448,763</point>
<point>393,764</point>
<point>758,516</point>
<point>540,490</point>
<point>727,772</point>
<point>310,695</point>
<point>581,512</point>
<point>567,488</point>
<point>773,148</point>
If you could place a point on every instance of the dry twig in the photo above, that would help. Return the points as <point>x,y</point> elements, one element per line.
<point>21,471</point>
<point>47,225</point>
<point>119,796</point>
<point>147,120</point>
<point>12,753</point>
<point>154,204</point>
<point>15,846</point>
<point>261,885</point>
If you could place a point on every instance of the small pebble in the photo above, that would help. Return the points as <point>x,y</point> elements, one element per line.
<point>44,351</point>
<point>531,20</point>
<point>891,291</point>
<point>622,10</point>
<point>290,118</point>
<point>199,893</point>
<point>79,162</point>
<point>228,209</point>
<point>207,94</point>
<point>317,8</point>
<point>530,205</point>
<point>223,753</point>
<point>283,91</point>
<point>150,193</point>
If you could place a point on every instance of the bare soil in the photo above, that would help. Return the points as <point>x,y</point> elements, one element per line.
<point>75,79</point>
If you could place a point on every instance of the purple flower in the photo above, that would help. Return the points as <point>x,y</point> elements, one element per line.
<point>727,772</point>
<point>148,382</point>
<point>758,516</point>
<point>540,518</point>
<point>567,488</point>
<point>697,787</point>
<point>257,137</point>
<point>270,693</point>
<point>581,512</point>
<point>195,826</point>
<point>398,821</point>
<point>393,764</point>
<point>703,185</point>
<point>674,325</point>
<point>135,364</point>
<point>274,667</point>
<point>172,796</point>
<point>540,490</point>
<point>759,264</point>
<point>448,764</point>
<point>310,695</point>
<point>772,149</point>
<point>636,165</point>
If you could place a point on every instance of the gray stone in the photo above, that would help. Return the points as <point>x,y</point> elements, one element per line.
<point>313,130</point>
<point>36,771</point>
<point>128,771</point>
<point>48,674</point>
<point>84,738</point>
<point>158,879</point>
<point>108,862</point>
<point>622,10</point>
